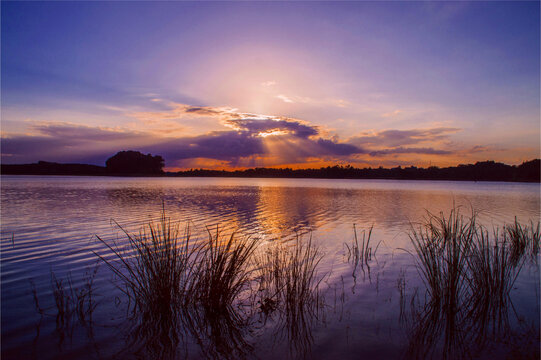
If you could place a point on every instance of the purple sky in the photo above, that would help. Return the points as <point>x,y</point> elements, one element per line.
<point>242,84</point>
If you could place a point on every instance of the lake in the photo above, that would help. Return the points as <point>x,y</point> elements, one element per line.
<point>49,226</point>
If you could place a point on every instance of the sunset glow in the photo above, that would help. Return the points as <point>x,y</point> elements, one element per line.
<point>236,84</point>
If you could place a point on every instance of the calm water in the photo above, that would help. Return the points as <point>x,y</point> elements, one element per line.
<point>49,225</point>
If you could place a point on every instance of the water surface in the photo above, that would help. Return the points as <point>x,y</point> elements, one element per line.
<point>49,225</point>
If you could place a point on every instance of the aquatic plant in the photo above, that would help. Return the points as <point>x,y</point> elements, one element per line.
<point>208,289</point>
<point>492,273</point>
<point>222,272</point>
<point>289,284</point>
<point>154,266</point>
<point>442,245</point>
<point>523,239</point>
<point>468,277</point>
<point>360,255</point>
<point>72,306</point>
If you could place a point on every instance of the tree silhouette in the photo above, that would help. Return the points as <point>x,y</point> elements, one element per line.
<point>134,162</point>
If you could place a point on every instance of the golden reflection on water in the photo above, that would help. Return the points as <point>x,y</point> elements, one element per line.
<point>50,222</point>
<point>44,213</point>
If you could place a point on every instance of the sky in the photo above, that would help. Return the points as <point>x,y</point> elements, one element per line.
<point>225,85</point>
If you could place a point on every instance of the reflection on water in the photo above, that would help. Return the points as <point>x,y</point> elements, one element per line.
<point>468,275</point>
<point>49,223</point>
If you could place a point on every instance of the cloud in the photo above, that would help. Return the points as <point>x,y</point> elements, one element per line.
<point>259,127</point>
<point>415,141</point>
<point>410,150</point>
<point>341,103</point>
<point>180,111</point>
<point>221,145</point>
<point>69,142</point>
<point>394,138</point>
<point>255,138</point>
<point>209,111</point>
<point>284,98</point>
<point>69,132</point>
<point>335,148</point>
<point>392,113</point>
<point>306,100</point>
<point>244,138</point>
<point>293,140</point>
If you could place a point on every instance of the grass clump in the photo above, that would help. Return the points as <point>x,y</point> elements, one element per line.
<point>363,253</point>
<point>360,253</point>
<point>73,305</point>
<point>223,271</point>
<point>215,297</point>
<point>154,267</point>
<point>205,288</point>
<point>492,273</point>
<point>289,283</point>
<point>523,239</point>
<point>468,277</point>
<point>442,245</point>
<point>208,289</point>
<point>71,301</point>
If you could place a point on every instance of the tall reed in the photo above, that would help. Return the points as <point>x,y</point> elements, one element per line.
<point>360,253</point>
<point>523,239</point>
<point>154,266</point>
<point>207,288</point>
<point>442,245</point>
<point>73,305</point>
<point>223,270</point>
<point>492,273</point>
<point>468,277</point>
<point>290,283</point>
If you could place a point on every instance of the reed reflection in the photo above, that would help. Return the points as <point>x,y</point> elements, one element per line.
<point>211,292</point>
<point>289,287</point>
<point>468,277</point>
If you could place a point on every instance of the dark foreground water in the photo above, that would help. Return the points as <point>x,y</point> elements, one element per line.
<point>49,225</point>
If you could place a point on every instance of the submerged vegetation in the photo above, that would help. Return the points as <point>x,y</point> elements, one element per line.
<point>468,277</point>
<point>288,283</point>
<point>73,306</point>
<point>208,289</point>
<point>523,239</point>
<point>360,255</point>
<point>153,267</point>
<point>224,291</point>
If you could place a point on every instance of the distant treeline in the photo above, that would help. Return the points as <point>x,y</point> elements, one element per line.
<point>481,171</point>
<point>123,163</point>
<point>148,165</point>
